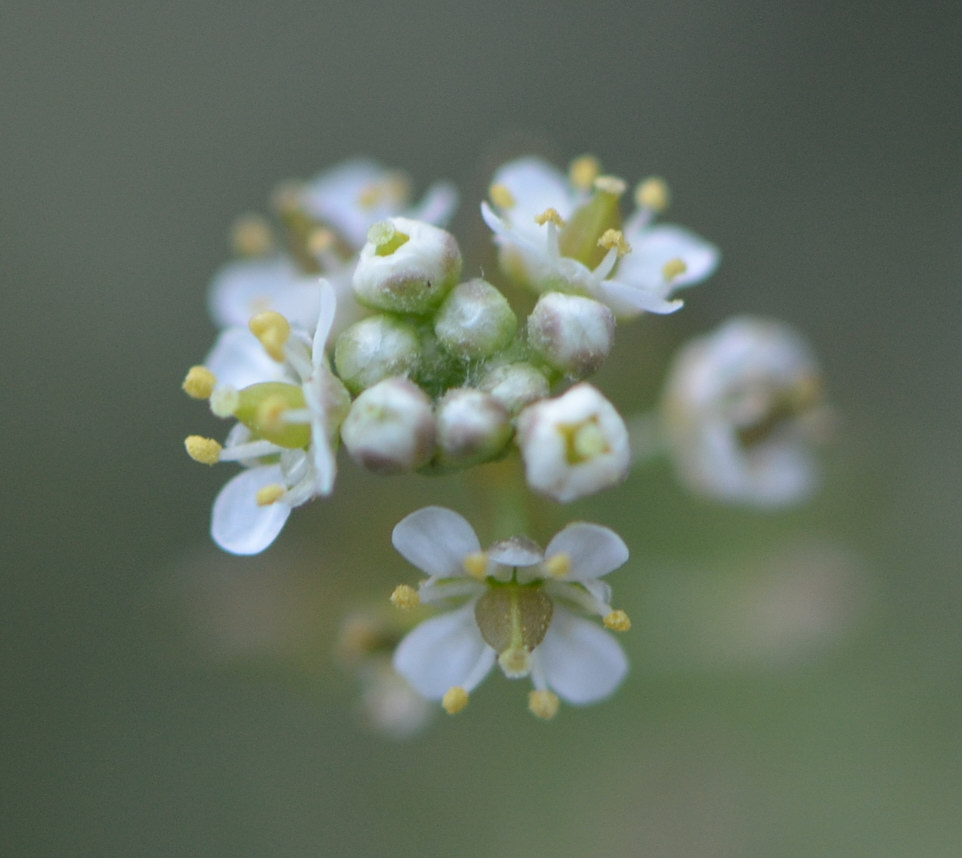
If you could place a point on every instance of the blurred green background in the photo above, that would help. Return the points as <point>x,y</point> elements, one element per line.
<point>796,682</point>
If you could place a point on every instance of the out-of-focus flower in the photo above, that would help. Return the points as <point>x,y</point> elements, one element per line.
<point>512,604</point>
<point>566,234</point>
<point>741,410</point>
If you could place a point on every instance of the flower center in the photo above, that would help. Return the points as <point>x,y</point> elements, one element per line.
<point>262,407</point>
<point>580,235</point>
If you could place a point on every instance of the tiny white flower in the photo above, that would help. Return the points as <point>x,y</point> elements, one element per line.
<point>513,605</point>
<point>556,234</point>
<point>741,410</point>
<point>573,445</point>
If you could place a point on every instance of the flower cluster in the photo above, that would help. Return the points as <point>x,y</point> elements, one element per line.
<point>351,321</point>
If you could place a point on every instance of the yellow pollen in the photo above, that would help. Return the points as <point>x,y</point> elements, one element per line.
<point>454,700</point>
<point>405,598</point>
<point>251,235</point>
<point>501,196</point>
<point>269,494</point>
<point>653,193</point>
<point>320,240</point>
<point>674,268</point>
<point>558,566</point>
<point>543,704</point>
<point>203,450</point>
<point>370,196</point>
<point>549,214</point>
<point>614,238</point>
<point>199,383</point>
<point>476,565</point>
<point>617,621</point>
<point>583,171</point>
<point>273,330</point>
<point>270,413</point>
<point>610,185</point>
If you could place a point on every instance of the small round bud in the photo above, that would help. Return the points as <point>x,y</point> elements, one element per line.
<point>475,320</point>
<point>570,333</point>
<point>406,266</point>
<point>390,427</point>
<point>515,385</point>
<point>472,427</point>
<point>373,349</point>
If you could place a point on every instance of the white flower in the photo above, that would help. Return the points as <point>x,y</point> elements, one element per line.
<point>741,409</point>
<point>573,445</point>
<point>289,410</point>
<point>555,235</point>
<point>514,605</point>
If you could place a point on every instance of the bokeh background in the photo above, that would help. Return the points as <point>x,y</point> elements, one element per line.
<point>796,682</point>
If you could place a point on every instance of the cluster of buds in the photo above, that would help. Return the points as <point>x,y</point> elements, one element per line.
<point>351,322</point>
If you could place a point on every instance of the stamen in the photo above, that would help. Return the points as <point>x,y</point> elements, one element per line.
<point>370,196</point>
<point>549,215</point>
<point>476,565</point>
<point>653,193</point>
<point>405,598</point>
<point>320,241</point>
<point>199,383</point>
<point>454,700</point>
<point>501,196</point>
<point>203,450</point>
<point>674,268</point>
<point>224,401</point>
<point>610,185</point>
<point>515,662</point>
<point>251,236</point>
<point>614,238</point>
<point>270,494</point>
<point>543,704</point>
<point>617,621</point>
<point>558,565</point>
<point>583,171</point>
<point>273,330</point>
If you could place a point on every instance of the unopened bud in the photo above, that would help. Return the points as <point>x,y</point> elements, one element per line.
<point>390,427</point>
<point>406,267</point>
<point>570,333</point>
<point>475,320</point>
<point>472,427</point>
<point>373,349</point>
<point>515,385</point>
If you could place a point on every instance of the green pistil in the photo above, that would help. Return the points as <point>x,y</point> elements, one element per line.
<point>579,236</point>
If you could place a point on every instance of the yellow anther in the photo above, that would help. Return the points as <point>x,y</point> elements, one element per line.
<point>320,240</point>
<point>404,597</point>
<point>273,330</point>
<point>558,565</point>
<point>543,704</point>
<point>549,215</point>
<point>199,383</point>
<point>476,565</point>
<point>653,193</point>
<point>270,413</point>
<point>610,185</point>
<point>617,621</point>
<point>614,238</point>
<point>287,196</point>
<point>270,494</point>
<point>251,235</point>
<point>370,196</point>
<point>501,196</point>
<point>454,700</point>
<point>583,171</point>
<point>515,662</point>
<point>674,268</point>
<point>203,450</point>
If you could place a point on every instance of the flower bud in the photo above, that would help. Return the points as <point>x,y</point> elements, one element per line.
<point>475,320</point>
<point>515,385</point>
<point>472,427</point>
<point>373,349</point>
<point>390,427</point>
<point>406,266</point>
<point>574,445</point>
<point>570,333</point>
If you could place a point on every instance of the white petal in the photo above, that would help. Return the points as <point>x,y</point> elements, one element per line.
<point>517,551</point>
<point>238,359</point>
<point>444,651</point>
<point>593,550</point>
<point>627,299</point>
<point>436,540</point>
<point>241,289</point>
<point>334,197</point>
<point>325,319</point>
<point>580,661</point>
<point>652,248</point>
<point>438,205</point>
<point>238,524</point>
<point>535,185</point>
